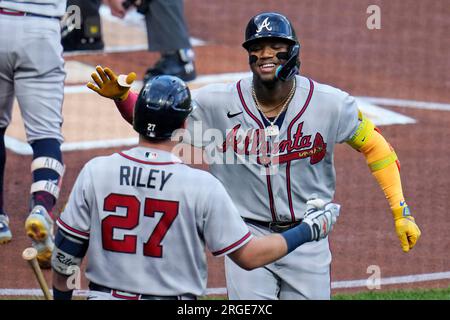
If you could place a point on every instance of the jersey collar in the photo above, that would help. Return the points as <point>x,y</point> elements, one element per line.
<point>147,155</point>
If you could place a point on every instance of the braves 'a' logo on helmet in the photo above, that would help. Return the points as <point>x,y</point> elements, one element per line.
<point>269,25</point>
<point>264,24</point>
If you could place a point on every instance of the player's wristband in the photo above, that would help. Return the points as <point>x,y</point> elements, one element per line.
<point>62,295</point>
<point>297,236</point>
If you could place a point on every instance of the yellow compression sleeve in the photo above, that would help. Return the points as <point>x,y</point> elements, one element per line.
<point>381,159</point>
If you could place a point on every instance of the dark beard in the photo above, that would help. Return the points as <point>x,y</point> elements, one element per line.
<point>269,84</point>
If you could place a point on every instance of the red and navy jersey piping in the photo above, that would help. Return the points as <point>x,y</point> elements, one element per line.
<point>72,230</point>
<point>234,245</point>
<point>288,165</point>
<point>261,126</point>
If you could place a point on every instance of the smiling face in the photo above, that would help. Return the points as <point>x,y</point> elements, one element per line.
<point>267,62</point>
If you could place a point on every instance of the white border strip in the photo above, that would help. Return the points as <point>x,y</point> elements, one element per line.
<point>24,148</point>
<point>222,291</point>
<point>407,103</point>
<point>392,280</point>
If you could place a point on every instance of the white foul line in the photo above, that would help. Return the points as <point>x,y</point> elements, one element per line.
<point>232,77</point>
<point>222,291</point>
<point>23,148</point>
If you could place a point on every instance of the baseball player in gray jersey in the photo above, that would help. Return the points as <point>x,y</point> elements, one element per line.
<point>31,69</point>
<point>144,217</point>
<point>275,148</point>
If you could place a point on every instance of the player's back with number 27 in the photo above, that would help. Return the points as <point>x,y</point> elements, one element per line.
<point>136,206</point>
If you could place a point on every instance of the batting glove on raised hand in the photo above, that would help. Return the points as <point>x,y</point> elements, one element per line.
<point>405,226</point>
<point>109,85</point>
<point>320,217</point>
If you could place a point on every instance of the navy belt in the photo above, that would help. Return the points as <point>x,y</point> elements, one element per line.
<point>136,296</point>
<point>22,14</point>
<point>275,226</point>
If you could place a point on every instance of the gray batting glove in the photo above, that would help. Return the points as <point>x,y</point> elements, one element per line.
<point>320,217</point>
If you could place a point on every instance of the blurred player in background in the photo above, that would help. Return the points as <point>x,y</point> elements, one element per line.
<point>167,33</point>
<point>31,69</point>
<point>143,217</point>
<point>88,36</point>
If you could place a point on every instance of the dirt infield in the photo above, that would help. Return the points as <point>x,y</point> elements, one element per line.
<point>406,59</point>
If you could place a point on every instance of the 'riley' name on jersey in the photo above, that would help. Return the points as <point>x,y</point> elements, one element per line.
<point>139,177</point>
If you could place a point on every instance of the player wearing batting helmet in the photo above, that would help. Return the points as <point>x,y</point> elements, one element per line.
<point>280,130</point>
<point>164,211</point>
<point>167,102</point>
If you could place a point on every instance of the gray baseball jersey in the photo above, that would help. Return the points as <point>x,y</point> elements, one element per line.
<point>147,217</point>
<point>51,8</point>
<point>318,117</point>
<point>270,177</point>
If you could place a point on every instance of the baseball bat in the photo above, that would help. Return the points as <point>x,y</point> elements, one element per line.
<point>30,254</point>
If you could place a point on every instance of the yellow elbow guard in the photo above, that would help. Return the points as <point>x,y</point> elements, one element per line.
<point>363,132</point>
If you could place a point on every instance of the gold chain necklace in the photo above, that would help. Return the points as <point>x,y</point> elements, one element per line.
<point>273,129</point>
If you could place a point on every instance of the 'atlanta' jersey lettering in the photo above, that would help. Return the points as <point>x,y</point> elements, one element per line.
<point>318,117</point>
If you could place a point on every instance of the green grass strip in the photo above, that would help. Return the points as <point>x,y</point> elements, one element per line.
<point>417,294</point>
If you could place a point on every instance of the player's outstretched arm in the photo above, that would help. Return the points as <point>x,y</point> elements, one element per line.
<point>259,251</point>
<point>385,167</point>
<point>109,85</point>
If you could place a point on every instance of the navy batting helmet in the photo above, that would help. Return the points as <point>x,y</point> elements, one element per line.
<point>162,106</point>
<point>269,25</point>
